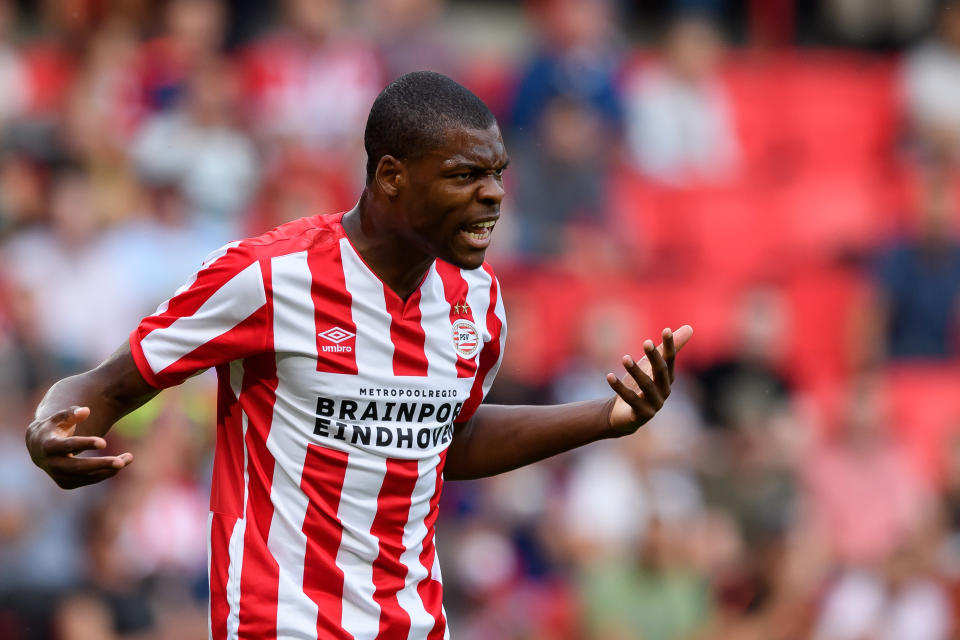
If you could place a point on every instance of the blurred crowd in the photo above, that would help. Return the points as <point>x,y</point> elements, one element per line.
<point>781,175</point>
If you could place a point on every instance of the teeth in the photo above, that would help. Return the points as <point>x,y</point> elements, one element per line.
<point>480,230</point>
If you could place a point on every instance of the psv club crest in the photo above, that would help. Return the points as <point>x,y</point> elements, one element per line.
<point>466,338</point>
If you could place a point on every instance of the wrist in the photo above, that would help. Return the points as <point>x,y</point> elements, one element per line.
<point>609,429</point>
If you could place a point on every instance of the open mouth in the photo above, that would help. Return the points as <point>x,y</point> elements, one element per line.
<point>480,231</point>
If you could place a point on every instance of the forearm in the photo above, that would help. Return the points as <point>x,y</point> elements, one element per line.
<point>500,438</point>
<point>111,391</point>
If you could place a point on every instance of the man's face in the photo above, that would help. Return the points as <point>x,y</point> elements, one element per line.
<point>453,194</point>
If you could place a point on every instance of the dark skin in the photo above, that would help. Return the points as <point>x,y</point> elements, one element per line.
<point>412,212</point>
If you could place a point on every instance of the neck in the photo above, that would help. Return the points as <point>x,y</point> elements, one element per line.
<point>399,264</point>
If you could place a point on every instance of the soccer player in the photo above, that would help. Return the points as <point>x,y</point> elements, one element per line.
<point>353,352</point>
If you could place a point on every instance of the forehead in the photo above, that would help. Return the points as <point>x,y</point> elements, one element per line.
<point>482,147</point>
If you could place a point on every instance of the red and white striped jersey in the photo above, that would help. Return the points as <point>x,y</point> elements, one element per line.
<point>337,401</point>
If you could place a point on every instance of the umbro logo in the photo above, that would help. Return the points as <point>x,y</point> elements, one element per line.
<point>336,335</point>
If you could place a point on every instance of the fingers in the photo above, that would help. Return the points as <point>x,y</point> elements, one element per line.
<point>673,341</point>
<point>74,480</point>
<point>642,409</point>
<point>72,472</point>
<point>682,336</point>
<point>55,446</point>
<point>669,351</point>
<point>89,465</point>
<point>55,449</point>
<point>650,388</point>
<point>650,380</point>
<point>661,372</point>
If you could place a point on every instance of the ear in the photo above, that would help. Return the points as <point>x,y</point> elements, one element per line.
<point>391,176</point>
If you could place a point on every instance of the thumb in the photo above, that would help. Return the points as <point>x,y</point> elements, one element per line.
<point>66,421</point>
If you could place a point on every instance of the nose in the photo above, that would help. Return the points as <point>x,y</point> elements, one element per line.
<point>490,191</point>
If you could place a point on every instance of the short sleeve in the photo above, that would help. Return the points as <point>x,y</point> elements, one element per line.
<point>218,316</point>
<point>491,354</point>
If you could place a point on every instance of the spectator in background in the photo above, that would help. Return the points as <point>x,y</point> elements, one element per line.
<point>878,22</point>
<point>409,38</point>
<point>748,387</point>
<point>863,494</point>
<point>102,112</point>
<point>13,73</point>
<point>296,185</point>
<point>917,314</point>
<point>199,148</point>
<point>104,105</point>
<point>65,267</point>
<point>679,127</point>
<point>931,87</point>
<point>564,117</point>
<point>38,529</point>
<point>577,59</point>
<point>21,191</point>
<point>309,84</point>
<point>657,595</point>
<point>111,604</point>
<point>561,175</point>
<point>902,600</point>
<point>194,32</point>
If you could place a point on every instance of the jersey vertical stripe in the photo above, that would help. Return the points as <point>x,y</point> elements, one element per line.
<point>455,292</point>
<point>435,314</point>
<point>220,532</point>
<point>323,475</point>
<point>409,358</point>
<point>358,547</point>
<point>430,590</point>
<point>417,531</point>
<point>231,386</point>
<point>259,571</point>
<point>494,333</point>
<point>374,346</point>
<point>332,304</point>
<point>389,576</point>
<point>233,576</point>
<point>293,331</point>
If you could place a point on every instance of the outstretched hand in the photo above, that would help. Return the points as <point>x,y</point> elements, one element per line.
<point>53,448</point>
<point>646,385</point>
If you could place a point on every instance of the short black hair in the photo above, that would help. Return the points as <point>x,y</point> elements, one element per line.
<point>412,113</point>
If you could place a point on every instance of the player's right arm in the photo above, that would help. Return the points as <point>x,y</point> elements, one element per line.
<point>77,412</point>
<point>218,316</point>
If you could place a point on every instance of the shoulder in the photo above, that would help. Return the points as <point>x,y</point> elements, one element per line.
<point>306,234</point>
<point>312,233</point>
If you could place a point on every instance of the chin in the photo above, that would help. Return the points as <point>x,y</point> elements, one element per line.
<point>469,261</point>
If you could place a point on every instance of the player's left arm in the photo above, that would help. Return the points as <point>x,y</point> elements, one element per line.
<point>499,438</point>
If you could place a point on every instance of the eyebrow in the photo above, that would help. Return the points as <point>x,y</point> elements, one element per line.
<point>473,166</point>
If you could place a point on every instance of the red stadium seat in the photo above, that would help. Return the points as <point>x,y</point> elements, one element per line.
<point>925,412</point>
<point>822,302</point>
<point>821,111</point>
<point>827,214</point>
